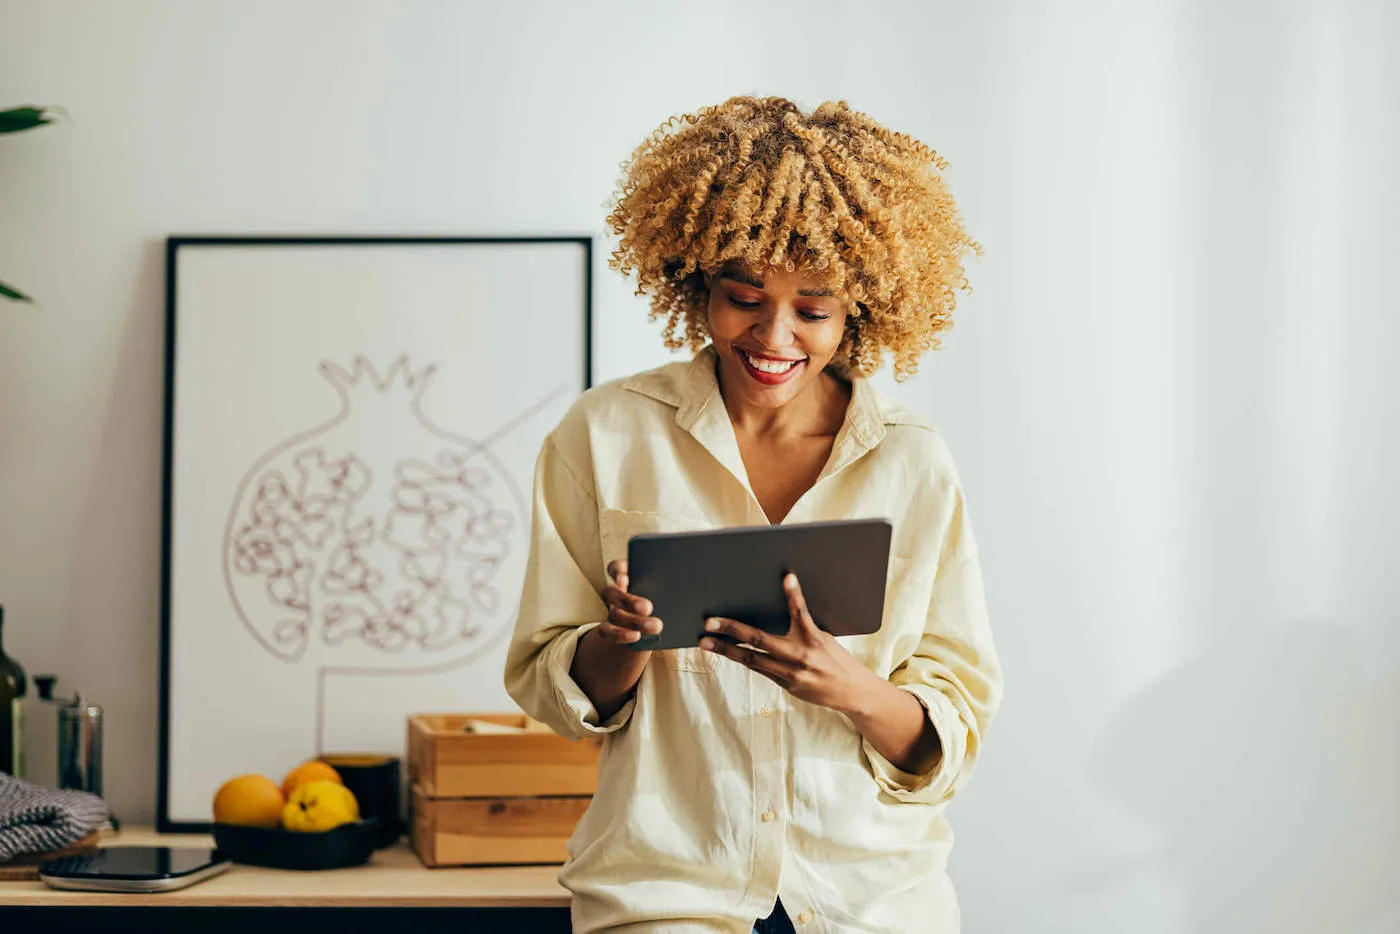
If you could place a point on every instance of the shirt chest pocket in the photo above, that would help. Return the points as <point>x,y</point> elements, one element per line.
<point>616,527</point>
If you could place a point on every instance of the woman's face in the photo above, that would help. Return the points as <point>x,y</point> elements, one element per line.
<point>775,331</point>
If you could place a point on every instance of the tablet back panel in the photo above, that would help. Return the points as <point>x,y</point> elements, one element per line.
<point>738,573</point>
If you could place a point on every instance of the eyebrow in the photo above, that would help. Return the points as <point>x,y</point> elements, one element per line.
<point>749,279</point>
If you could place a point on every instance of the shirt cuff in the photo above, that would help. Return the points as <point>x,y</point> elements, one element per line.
<point>580,714</point>
<point>932,786</point>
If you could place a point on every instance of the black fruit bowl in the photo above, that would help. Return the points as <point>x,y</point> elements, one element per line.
<point>347,845</point>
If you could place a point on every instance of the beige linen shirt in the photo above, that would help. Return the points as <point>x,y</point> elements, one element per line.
<point>717,790</point>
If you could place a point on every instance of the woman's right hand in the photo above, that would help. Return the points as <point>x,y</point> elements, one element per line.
<point>603,666</point>
<point>629,616</point>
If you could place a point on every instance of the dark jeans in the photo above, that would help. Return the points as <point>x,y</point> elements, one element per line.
<point>776,923</point>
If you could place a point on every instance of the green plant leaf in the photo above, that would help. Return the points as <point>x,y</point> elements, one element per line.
<point>8,292</point>
<point>23,118</point>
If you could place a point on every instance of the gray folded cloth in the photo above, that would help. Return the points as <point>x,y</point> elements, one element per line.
<point>35,819</point>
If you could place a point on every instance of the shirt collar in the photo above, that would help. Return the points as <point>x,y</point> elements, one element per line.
<point>701,412</point>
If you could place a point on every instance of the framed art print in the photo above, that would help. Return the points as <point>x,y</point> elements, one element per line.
<point>351,432</point>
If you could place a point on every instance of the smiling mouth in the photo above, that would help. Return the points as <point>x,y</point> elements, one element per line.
<point>770,365</point>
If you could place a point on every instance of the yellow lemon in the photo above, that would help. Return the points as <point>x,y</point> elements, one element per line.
<point>320,805</point>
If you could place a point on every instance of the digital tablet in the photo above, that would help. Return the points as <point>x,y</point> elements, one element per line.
<point>738,573</point>
<point>134,869</point>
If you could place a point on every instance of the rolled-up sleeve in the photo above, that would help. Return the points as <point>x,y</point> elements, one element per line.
<point>559,603</point>
<point>954,671</point>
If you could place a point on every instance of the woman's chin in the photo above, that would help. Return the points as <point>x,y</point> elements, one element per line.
<point>771,397</point>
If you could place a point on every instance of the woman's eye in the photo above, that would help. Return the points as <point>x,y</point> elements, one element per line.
<point>806,315</point>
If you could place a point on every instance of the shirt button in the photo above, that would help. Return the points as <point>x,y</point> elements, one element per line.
<point>804,917</point>
<point>767,816</point>
<point>767,711</point>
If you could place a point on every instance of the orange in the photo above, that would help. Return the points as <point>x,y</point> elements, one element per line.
<point>250,800</point>
<point>318,806</point>
<point>313,771</point>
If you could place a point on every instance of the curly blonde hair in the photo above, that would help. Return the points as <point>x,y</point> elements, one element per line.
<point>755,180</point>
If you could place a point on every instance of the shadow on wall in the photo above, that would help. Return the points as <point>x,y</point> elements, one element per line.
<point>1268,770</point>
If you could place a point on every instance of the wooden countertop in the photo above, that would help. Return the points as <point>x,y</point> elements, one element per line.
<point>393,877</point>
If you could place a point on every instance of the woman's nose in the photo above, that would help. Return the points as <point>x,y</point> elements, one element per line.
<point>773,330</point>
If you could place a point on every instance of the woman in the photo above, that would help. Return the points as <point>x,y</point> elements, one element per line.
<point>803,779</point>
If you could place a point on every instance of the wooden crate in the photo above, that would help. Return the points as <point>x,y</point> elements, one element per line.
<point>492,831</point>
<point>448,763</point>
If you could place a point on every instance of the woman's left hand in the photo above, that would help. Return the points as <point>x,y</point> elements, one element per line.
<point>808,662</point>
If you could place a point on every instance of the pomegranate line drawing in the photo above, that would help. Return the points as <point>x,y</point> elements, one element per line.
<point>375,554</point>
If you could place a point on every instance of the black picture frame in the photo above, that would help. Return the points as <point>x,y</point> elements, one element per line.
<point>174,244</point>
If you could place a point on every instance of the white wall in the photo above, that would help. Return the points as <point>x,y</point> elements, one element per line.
<point>1173,396</point>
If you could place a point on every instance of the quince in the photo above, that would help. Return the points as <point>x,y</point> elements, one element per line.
<point>319,806</point>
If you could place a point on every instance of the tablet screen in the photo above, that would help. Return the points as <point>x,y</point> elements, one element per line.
<point>134,862</point>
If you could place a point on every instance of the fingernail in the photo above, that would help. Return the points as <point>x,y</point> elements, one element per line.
<point>654,626</point>
<point>708,644</point>
<point>790,580</point>
<point>712,624</point>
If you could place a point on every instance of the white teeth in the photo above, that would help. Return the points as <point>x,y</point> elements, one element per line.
<point>770,366</point>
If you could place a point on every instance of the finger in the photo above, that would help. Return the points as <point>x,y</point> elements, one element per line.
<point>614,596</point>
<point>618,569</point>
<point>620,617</point>
<point>738,632</point>
<point>797,605</point>
<point>770,666</point>
<point>617,634</point>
